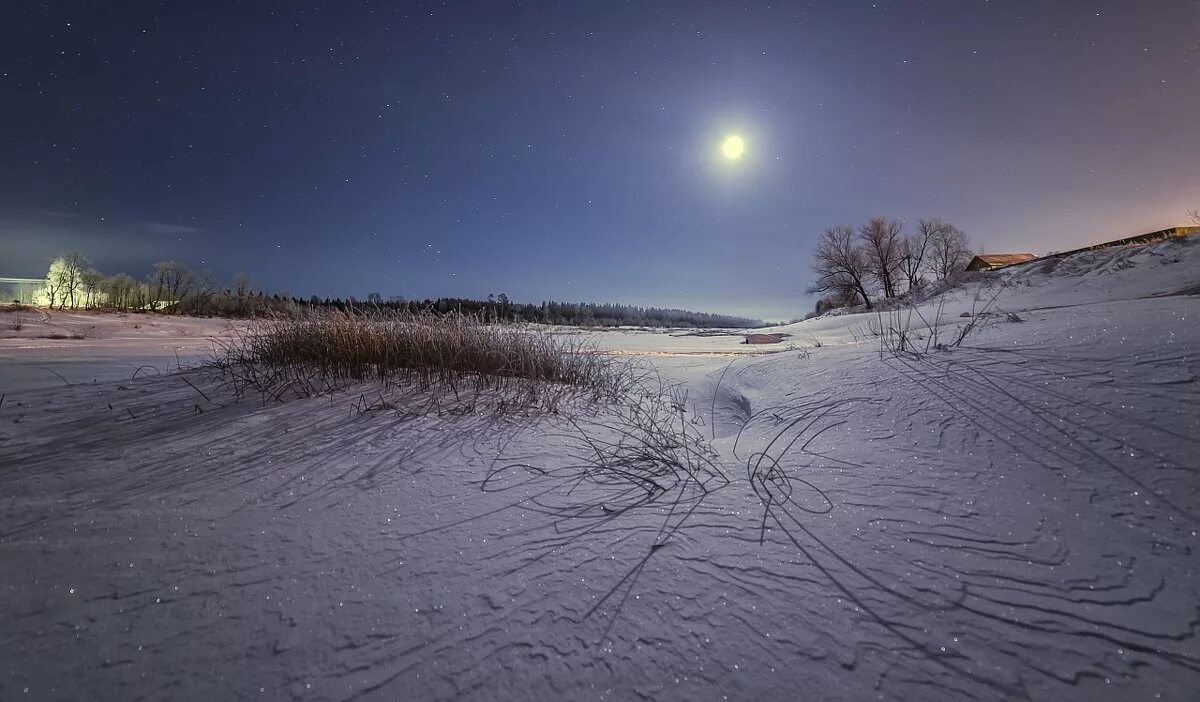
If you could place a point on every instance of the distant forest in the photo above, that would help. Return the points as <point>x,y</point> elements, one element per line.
<point>583,314</point>
<point>175,288</point>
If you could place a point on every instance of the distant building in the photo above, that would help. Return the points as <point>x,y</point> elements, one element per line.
<point>990,262</point>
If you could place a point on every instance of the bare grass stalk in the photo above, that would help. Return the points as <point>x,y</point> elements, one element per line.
<point>322,351</point>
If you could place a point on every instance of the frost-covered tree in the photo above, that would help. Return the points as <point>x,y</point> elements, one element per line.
<point>52,288</point>
<point>64,280</point>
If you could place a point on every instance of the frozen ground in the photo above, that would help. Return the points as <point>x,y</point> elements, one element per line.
<point>1014,518</point>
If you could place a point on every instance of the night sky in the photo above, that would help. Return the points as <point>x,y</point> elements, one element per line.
<point>571,150</point>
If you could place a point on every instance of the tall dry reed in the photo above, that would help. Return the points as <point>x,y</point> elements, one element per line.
<point>323,350</point>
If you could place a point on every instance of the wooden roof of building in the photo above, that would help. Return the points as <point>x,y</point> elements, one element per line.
<point>1005,259</point>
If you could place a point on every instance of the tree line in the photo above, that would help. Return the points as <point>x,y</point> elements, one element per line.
<point>172,287</point>
<point>583,314</point>
<point>879,260</point>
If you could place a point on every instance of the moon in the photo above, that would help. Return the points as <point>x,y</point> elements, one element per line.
<point>733,147</point>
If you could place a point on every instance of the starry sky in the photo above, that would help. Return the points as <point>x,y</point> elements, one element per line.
<point>571,150</point>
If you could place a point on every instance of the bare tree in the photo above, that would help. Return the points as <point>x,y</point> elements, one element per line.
<point>881,239</point>
<point>139,296</point>
<point>180,280</point>
<point>1194,216</point>
<point>120,290</point>
<point>950,251</point>
<point>91,280</point>
<point>243,289</point>
<point>170,283</point>
<point>840,265</point>
<point>916,248</point>
<point>204,288</point>
<point>156,286</point>
<point>72,272</point>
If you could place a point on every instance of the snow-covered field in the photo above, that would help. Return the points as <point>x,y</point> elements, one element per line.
<point>42,350</point>
<point>1012,518</point>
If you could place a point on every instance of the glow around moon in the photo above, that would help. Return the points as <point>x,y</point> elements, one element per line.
<point>733,147</point>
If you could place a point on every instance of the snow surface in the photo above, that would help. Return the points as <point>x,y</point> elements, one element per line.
<point>1014,518</point>
<point>51,348</point>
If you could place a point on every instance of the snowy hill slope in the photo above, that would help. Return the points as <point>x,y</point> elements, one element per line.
<point>1106,275</point>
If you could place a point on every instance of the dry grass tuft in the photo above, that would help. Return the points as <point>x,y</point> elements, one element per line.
<point>74,335</point>
<point>325,350</point>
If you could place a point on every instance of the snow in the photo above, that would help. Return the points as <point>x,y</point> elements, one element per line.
<point>89,347</point>
<point>1012,518</point>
